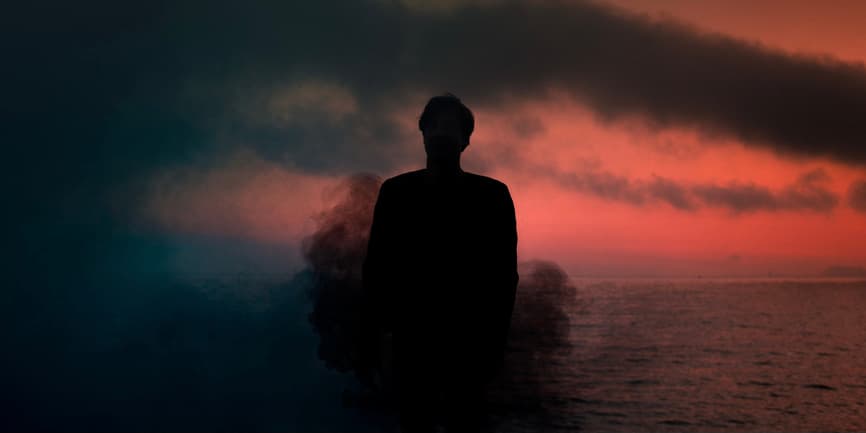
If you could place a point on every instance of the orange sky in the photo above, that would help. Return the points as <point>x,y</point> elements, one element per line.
<point>589,235</point>
<point>584,232</point>
<point>833,27</point>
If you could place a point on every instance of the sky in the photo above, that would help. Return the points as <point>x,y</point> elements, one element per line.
<point>666,138</point>
<point>150,146</point>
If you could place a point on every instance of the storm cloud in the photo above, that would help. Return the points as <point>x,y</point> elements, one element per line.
<point>318,86</point>
<point>807,193</point>
<point>622,64</point>
<point>616,63</point>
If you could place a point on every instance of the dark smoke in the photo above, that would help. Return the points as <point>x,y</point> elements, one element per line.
<point>335,253</point>
<point>538,341</point>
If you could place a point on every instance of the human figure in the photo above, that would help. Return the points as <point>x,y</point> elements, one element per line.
<point>440,275</point>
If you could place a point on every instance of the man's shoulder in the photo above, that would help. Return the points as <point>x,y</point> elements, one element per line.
<point>485,181</point>
<point>409,176</point>
<point>404,180</point>
<point>412,178</point>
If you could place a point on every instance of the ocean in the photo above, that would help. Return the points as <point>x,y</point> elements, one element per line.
<point>733,355</point>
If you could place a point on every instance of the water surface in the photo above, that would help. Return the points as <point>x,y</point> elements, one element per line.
<point>710,355</point>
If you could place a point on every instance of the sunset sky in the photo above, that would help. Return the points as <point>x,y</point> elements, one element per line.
<point>161,157</point>
<point>638,138</point>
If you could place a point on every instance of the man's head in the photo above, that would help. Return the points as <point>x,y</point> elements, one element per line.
<point>446,125</point>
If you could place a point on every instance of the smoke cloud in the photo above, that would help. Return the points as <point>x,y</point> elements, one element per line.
<point>538,338</point>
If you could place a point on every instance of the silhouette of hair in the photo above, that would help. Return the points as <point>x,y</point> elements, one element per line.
<point>444,103</point>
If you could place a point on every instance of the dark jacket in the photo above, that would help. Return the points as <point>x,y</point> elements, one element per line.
<point>441,271</point>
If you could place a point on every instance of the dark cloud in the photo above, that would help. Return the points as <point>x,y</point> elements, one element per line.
<point>806,193</point>
<point>857,195</point>
<point>602,184</point>
<point>616,63</point>
<point>175,66</point>
<point>670,192</point>
<point>100,93</point>
<point>621,64</point>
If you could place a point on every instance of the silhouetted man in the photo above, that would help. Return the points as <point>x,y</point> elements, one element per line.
<point>441,275</point>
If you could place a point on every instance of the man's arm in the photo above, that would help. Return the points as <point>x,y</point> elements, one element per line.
<point>374,279</point>
<point>505,268</point>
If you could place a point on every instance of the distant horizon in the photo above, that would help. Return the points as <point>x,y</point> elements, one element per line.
<point>573,275</point>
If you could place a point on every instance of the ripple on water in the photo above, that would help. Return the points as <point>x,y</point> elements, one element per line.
<point>675,373</point>
<point>819,386</point>
<point>643,382</point>
<point>736,421</point>
<point>758,383</point>
<point>747,397</point>
<point>607,413</point>
<point>674,422</point>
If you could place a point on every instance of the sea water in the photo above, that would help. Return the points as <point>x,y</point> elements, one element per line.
<point>708,355</point>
